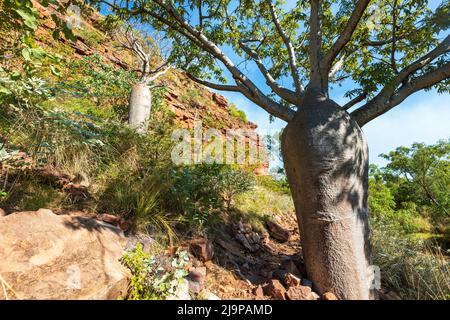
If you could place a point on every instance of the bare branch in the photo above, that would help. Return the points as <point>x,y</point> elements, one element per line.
<point>336,67</point>
<point>375,108</point>
<point>269,105</point>
<point>215,86</point>
<point>127,39</point>
<point>354,101</point>
<point>156,74</point>
<point>286,94</point>
<point>291,52</point>
<point>245,84</point>
<point>346,34</point>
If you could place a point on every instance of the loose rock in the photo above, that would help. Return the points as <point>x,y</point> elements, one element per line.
<point>243,240</point>
<point>275,289</point>
<point>278,232</point>
<point>111,219</point>
<point>196,279</point>
<point>299,293</point>
<point>259,293</point>
<point>202,248</point>
<point>329,296</point>
<point>291,281</point>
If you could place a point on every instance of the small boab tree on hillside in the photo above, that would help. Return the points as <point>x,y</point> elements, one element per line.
<point>385,51</point>
<point>140,101</point>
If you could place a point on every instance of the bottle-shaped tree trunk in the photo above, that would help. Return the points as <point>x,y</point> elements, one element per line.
<point>139,107</point>
<point>326,160</point>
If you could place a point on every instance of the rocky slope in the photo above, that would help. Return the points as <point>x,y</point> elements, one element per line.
<point>188,100</point>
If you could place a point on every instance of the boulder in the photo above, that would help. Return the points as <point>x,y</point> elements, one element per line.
<point>144,240</point>
<point>299,293</point>
<point>275,289</point>
<point>278,232</point>
<point>46,256</point>
<point>196,279</point>
<point>259,293</point>
<point>329,296</point>
<point>202,249</point>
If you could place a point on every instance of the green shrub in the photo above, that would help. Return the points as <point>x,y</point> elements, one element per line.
<point>273,184</point>
<point>199,191</point>
<point>154,278</point>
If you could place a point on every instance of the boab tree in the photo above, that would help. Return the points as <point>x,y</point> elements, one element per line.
<point>386,51</point>
<point>140,101</point>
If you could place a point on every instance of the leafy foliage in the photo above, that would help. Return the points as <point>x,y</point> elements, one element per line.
<point>201,190</point>
<point>379,47</point>
<point>410,194</point>
<point>422,175</point>
<point>152,278</point>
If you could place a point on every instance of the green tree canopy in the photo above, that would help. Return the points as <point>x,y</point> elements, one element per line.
<point>389,49</point>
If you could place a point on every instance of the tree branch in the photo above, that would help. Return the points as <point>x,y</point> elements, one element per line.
<point>376,108</point>
<point>215,86</point>
<point>369,111</point>
<point>315,44</point>
<point>291,52</point>
<point>156,74</point>
<point>346,34</point>
<point>245,84</point>
<point>354,101</point>
<point>288,95</point>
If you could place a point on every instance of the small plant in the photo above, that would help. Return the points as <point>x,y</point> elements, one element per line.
<point>232,183</point>
<point>154,278</point>
<point>236,113</point>
<point>3,195</point>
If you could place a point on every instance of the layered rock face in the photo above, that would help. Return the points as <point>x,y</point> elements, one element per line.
<point>46,256</point>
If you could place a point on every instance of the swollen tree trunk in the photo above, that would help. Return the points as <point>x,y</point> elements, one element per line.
<point>139,107</point>
<point>326,160</point>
